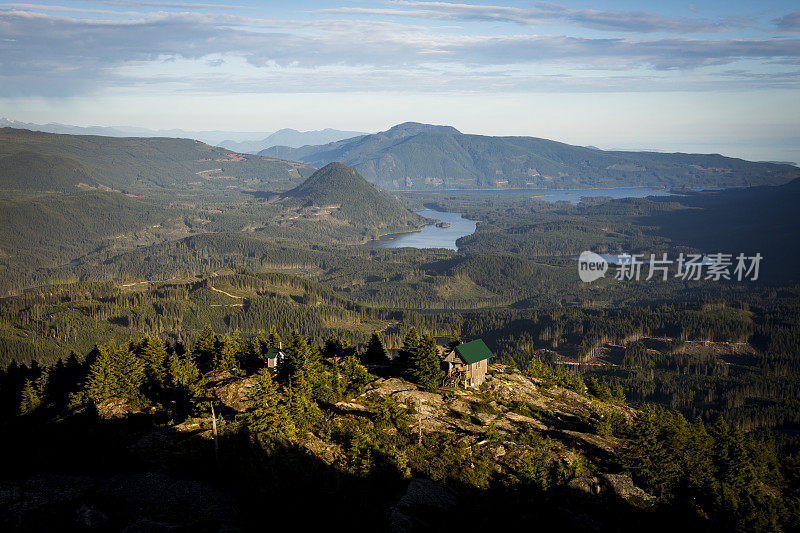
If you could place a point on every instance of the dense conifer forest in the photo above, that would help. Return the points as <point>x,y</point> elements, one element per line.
<point>710,475</point>
<point>141,308</point>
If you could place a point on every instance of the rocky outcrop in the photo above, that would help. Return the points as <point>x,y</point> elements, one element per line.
<point>605,487</point>
<point>421,507</point>
<point>114,408</point>
<point>231,390</point>
<point>622,486</point>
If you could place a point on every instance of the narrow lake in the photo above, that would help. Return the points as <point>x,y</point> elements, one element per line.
<point>432,236</point>
<point>435,237</point>
<point>570,195</point>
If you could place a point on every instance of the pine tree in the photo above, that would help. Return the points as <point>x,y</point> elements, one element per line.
<point>34,393</point>
<point>153,352</point>
<point>302,375</point>
<point>375,353</point>
<point>407,352</point>
<point>357,376</point>
<point>335,347</point>
<point>182,367</point>
<point>185,390</point>
<point>268,418</point>
<point>274,340</point>
<point>425,366</point>
<point>30,400</point>
<point>116,373</point>
<point>206,345</point>
<point>101,383</point>
<point>225,355</point>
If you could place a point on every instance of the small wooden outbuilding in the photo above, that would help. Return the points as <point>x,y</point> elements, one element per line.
<point>467,363</point>
<point>274,358</point>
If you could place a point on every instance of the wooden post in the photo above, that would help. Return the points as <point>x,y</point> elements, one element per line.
<point>419,409</point>
<point>214,432</point>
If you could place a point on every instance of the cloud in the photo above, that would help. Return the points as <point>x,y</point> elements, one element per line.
<point>543,13</point>
<point>48,54</point>
<point>178,5</point>
<point>789,22</point>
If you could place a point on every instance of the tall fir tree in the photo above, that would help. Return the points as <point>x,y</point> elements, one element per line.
<point>425,367</point>
<point>116,373</point>
<point>407,352</point>
<point>153,353</point>
<point>268,418</point>
<point>183,380</point>
<point>34,393</point>
<point>205,347</point>
<point>375,353</point>
<point>455,340</point>
<point>274,340</point>
<point>302,373</point>
<point>225,355</point>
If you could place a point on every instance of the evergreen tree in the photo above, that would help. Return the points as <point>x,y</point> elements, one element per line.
<point>268,418</point>
<point>407,352</point>
<point>375,353</point>
<point>153,353</point>
<point>302,374</point>
<point>206,346</point>
<point>357,376</point>
<point>274,340</point>
<point>225,354</point>
<point>425,367</point>
<point>336,347</point>
<point>115,373</point>
<point>183,381</point>
<point>34,393</point>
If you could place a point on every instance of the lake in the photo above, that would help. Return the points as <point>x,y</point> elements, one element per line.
<point>569,195</point>
<point>432,236</point>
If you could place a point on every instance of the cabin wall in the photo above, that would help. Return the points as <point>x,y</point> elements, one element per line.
<point>478,372</point>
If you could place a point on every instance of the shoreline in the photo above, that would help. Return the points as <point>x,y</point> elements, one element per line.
<point>651,187</point>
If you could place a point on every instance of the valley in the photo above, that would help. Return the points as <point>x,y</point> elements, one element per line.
<point>114,250</point>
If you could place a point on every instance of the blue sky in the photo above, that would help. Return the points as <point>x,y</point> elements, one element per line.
<point>680,76</point>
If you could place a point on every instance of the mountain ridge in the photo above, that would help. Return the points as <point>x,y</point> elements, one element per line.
<point>289,137</point>
<point>139,164</point>
<point>428,157</point>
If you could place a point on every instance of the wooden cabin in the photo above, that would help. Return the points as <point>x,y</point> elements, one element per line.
<point>467,363</point>
<point>275,358</point>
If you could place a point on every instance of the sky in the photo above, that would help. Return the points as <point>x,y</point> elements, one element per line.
<point>699,76</point>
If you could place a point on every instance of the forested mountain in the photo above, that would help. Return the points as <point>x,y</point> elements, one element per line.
<point>420,156</point>
<point>33,171</point>
<point>137,165</point>
<point>340,192</point>
<point>45,230</point>
<point>289,137</point>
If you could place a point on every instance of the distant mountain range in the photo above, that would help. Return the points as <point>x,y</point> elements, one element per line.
<point>238,141</point>
<point>289,137</point>
<point>423,156</point>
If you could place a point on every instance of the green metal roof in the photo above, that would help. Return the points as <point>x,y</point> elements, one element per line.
<point>272,353</point>
<point>473,351</point>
